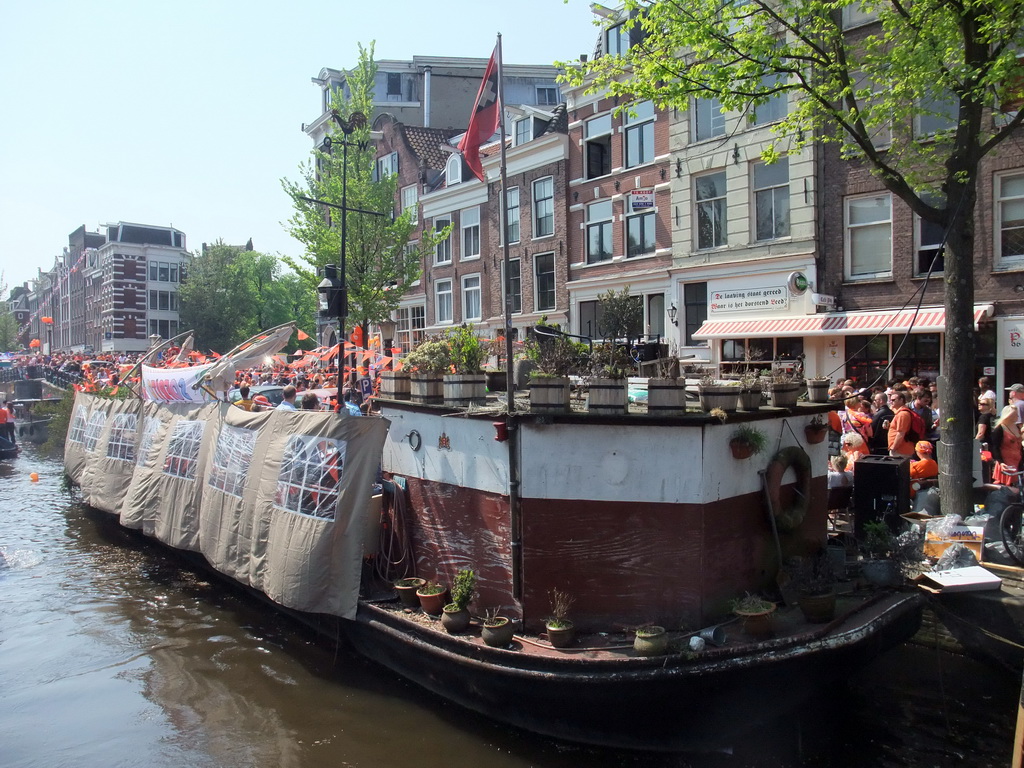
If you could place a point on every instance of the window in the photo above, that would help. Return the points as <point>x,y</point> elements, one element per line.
<point>599,231</point>
<point>547,95</point>
<point>93,429</point>
<point>443,249</point>
<point>618,40</point>
<point>1010,216</point>
<point>165,272</point>
<point>936,115</point>
<point>695,311</point>
<point>597,147</point>
<point>410,199</point>
<point>163,300</point>
<point>174,273</point>
<point>869,237</point>
<point>77,432</point>
<point>776,107</point>
<point>523,132</point>
<point>471,306</point>
<point>387,165</point>
<point>453,170</point>
<point>469,219</point>
<point>879,125</point>
<point>394,86</point>
<point>855,15</point>
<point>154,273</point>
<point>311,474</point>
<point>771,200</point>
<point>512,222</point>
<point>929,238</point>
<point>150,429</point>
<point>867,357</point>
<point>183,449</point>
<point>544,279</point>
<point>443,302</point>
<point>232,456</point>
<point>513,285</point>
<point>640,134</point>
<point>710,210</point>
<point>640,234</point>
<point>410,324</point>
<point>544,207</point>
<point>708,119</point>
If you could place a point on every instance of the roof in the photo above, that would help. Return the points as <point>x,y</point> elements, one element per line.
<point>426,143</point>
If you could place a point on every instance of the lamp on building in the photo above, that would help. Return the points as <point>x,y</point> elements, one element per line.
<point>387,337</point>
<point>672,312</point>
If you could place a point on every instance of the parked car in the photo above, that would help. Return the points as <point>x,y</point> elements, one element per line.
<point>273,393</point>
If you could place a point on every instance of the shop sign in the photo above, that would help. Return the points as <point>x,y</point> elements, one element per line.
<point>1011,339</point>
<point>750,300</point>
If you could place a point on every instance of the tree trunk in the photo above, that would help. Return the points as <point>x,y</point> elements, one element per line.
<point>956,454</point>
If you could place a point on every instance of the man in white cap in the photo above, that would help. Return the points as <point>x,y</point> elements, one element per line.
<point>1017,400</point>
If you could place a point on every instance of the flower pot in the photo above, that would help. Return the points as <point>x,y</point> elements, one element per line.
<point>650,641</point>
<point>433,604</point>
<point>815,433</point>
<point>666,397</point>
<point>462,390</point>
<point>724,396</point>
<point>549,394</point>
<point>818,609</point>
<point>880,573</point>
<point>394,385</point>
<point>498,632</point>
<point>749,399</point>
<point>758,623</point>
<point>562,636</point>
<point>741,449</point>
<point>406,589</point>
<point>608,397</point>
<point>784,395</point>
<point>817,390</point>
<point>426,388</point>
<point>454,620</point>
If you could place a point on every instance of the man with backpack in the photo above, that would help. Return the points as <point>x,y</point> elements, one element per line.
<point>906,427</point>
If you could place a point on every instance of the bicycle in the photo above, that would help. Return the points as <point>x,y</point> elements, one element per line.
<point>1011,521</point>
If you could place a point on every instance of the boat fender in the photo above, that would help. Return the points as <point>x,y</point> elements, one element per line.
<point>788,518</point>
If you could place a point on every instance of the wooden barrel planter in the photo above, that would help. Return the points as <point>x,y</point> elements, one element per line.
<point>749,399</point>
<point>608,396</point>
<point>427,388</point>
<point>462,390</point>
<point>394,385</point>
<point>666,397</point>
<point>784,395</point>
<point>817,390</point>
<point>549,394</point>
<point>721,396</point>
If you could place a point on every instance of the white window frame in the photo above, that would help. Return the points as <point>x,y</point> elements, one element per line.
<point>597,130</point>
<point>453,170</point>
<point>543,207</point>
<point>772,192</point>
<point>600,220</point>
<point>711,205</point>
<point>708,119</point>
<point>468,292</point>
<point>410,199</point>
<point>536,283</point>
<point>639,130</point>
<point>1002,202</point>
<point>443,249</point>
<point>444,311</point>
<point>850,229</point>
<point>387,165</point>
<point>522,131</point>
<point>469,233</point>
<point>513,224</point>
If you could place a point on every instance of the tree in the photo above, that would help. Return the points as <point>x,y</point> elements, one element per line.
<point>929,58</point>
<point>380,265</point>
<point>8,325</point>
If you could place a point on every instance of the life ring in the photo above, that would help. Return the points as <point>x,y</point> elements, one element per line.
<point>788,518</point>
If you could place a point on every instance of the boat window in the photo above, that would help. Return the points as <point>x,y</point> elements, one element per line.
<point>183,449</point>
<point>311,472</point>
<point>231,459</point>
<point>93,429</point>
<point>121,445</point>
<point>150,425</point>
<point>77,432</point>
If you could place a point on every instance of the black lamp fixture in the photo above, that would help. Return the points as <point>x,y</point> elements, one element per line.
<point>672,312</point>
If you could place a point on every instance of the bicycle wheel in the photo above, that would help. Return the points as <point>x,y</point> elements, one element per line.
<point>1012,531</point>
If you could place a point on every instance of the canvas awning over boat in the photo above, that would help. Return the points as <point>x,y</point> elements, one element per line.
<point>925,320</point>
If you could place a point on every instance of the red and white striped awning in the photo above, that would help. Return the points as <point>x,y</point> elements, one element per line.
<point>925,320</point>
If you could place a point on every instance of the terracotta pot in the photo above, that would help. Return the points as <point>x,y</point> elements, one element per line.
<point>406,589</point>
<point>759,624</point>
<point>650,641</point>
<point>818,609</point>
<point>433,604</point>
<point>499,633</point>
<point>454,621</point>
<point>563,636</point>
<point>741,450</point>
<point>815,434</point>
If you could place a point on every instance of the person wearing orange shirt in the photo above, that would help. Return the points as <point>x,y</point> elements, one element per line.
<point>899,426</point>
<point>925,467</point>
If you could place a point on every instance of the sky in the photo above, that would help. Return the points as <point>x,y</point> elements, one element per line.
<point>189,113</point>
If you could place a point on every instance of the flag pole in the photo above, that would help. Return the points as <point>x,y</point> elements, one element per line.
<point>510,393</point>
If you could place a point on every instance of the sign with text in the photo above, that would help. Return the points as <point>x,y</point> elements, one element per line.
<point>750,300</point>
<point>641,198</point>
<point>1012,339</point>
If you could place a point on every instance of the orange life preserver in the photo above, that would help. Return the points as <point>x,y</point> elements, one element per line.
<point>788,518</point>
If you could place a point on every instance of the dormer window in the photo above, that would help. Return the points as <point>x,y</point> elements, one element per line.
<point>453,170</point>
<point>524,131</point>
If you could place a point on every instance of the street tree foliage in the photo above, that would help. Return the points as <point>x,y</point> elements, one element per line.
<point>231,294</point>
<point>8,325</point>
<point>860,75</point>
<point>380,262</point>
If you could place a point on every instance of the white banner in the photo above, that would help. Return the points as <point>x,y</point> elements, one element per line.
<point>174,385</point>
<point>771,299</point>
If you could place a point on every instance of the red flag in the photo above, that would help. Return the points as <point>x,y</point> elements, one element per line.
<point>484,120</point>
<point>302,335</point>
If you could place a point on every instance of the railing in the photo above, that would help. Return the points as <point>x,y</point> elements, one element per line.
<point>61,379</point>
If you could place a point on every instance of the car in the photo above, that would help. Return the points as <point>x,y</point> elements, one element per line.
<point>273,392</point>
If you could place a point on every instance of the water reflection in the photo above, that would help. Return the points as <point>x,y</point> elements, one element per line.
<point>129,657</point>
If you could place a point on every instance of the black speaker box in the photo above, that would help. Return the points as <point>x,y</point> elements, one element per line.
<point>881,491</point>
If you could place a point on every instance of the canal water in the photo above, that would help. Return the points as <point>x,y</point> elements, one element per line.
<point>115,653</point>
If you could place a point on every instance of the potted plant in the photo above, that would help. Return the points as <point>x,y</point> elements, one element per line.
<point>406,589</point>
<point>718,394</point>
<point>455,616</point>
<point>815,430</point>
<point>554,360</point>
<point>666,391</point>
<point>756,615</point>
<point>817,389</point>
<point>394,385</point>
<point>428,362</point>
<point>749,398</point>
<point>747,441</point>
<point>433,597</point>
<point>650,640</point>
<point>879,565</point>
<point>498,630</point>
<point>561,631</point>
<point>814,579</point>
<point>467,385</point>
<point>782,388</point>
<point>608,391</point>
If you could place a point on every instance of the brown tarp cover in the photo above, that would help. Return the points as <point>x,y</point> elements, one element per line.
<point>277,500</point>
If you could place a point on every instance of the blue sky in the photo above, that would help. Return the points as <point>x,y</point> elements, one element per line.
<point>189,113</point>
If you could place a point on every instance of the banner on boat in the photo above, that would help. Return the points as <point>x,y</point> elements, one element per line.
<point>174,385</point>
